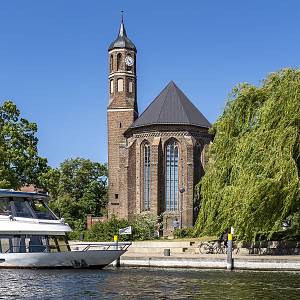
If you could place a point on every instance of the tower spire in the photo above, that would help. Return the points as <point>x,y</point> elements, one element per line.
<point>122,41</point>
<point>122,31</point>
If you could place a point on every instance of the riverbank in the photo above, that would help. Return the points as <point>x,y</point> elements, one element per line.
<point>186,254</point>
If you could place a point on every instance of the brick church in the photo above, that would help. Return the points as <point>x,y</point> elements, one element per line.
<point>156,158</point>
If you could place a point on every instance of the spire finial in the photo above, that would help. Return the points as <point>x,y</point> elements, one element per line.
<point>122,16</point>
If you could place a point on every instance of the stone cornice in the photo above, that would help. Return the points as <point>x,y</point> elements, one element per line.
<point>202,135</point>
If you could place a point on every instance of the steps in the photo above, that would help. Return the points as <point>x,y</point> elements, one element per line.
<point>158,247</point>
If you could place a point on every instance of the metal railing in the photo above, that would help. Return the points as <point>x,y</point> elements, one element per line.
<point>86,247</point>
<point>103,246</point>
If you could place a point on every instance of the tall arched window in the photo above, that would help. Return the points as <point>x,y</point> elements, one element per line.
<point>147,176</point>
<point>119,59</point>
<point>111,63</point>
<point>171,177</point>
<point>120,83</point>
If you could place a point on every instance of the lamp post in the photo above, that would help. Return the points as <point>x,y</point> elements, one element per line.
<point>181,190</point>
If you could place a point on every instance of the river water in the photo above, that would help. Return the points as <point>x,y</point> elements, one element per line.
<point>144,283</point>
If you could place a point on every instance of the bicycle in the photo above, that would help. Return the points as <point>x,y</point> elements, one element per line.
<point>212,247</point>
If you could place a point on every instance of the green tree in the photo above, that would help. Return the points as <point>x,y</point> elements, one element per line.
<point>20,163</point>
<point>105,231</point>
<point>143,228</point>
<point>78,188</point>
<point>252,179</point>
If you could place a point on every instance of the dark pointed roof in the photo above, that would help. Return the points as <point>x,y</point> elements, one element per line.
<point>171,106</point>
<point>122,40</point>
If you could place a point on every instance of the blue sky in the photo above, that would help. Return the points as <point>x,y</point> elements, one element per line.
<point>53,58</point>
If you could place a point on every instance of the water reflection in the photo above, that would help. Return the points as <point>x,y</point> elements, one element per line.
<point>137,283</point>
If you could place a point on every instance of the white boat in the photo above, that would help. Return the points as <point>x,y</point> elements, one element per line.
<point>31,236</point>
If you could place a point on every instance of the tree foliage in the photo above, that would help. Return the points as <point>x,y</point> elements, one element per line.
<point>20,163</point>
<point>143,228</point>
<point>252,179</point>
<point>78,187</point>
<point>105,231</point>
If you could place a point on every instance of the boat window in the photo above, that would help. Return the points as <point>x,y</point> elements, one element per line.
<point>4,244</point>
<point>63,244</point>
<point>12,244</point>
<point>36,243</point>
<point>18,244</point>
<point>5,209</point>
<point>21,209</point>
<point>53,244</point>
<point>41,210</point>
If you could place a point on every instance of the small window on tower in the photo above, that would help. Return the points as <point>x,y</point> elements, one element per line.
<point>111,86</point>
<point>119,59</point>
<point>130,86</point>
<point>120,85</point>
<point>120,125</point>
<point>111,63</point>
<point>116,196</point>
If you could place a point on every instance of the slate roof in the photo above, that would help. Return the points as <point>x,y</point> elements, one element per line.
<point>171,106</point>
<point>122,40</point>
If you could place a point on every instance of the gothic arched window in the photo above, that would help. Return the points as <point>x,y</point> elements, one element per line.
<point>119,60</point>
<point>171,177</point>
<point>147,175</point>
<point>120,84</point>
<point>111,63</point>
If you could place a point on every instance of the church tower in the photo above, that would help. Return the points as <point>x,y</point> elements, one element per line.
<point>122,111</point>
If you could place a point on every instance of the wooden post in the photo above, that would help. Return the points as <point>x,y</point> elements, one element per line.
<point>229,253</point>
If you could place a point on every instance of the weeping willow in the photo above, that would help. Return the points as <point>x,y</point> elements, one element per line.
<point>252,178</point>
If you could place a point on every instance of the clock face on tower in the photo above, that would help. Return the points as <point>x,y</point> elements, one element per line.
<point>129,61</point>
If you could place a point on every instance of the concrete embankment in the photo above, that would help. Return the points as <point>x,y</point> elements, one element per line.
<point>214,262</point>
<point>186,254</point>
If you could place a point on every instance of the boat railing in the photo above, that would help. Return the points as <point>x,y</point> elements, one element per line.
<point>101,246</point>
<point>76,247</point>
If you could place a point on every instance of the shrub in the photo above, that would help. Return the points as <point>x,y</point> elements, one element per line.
<point>144,226</point>
<point>105,231</point>
<point>183,233</point>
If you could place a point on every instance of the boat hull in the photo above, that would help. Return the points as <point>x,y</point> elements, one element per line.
<point>72,259</point>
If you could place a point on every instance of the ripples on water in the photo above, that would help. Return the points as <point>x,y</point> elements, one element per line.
<point>143,283</point>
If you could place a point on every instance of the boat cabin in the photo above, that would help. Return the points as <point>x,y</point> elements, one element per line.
<point>25,207</point>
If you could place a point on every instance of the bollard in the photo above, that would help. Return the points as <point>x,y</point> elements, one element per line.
<point>116,241</point>
<point>116,263</point>
<point>229,253</point>
<point>167,252</point>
